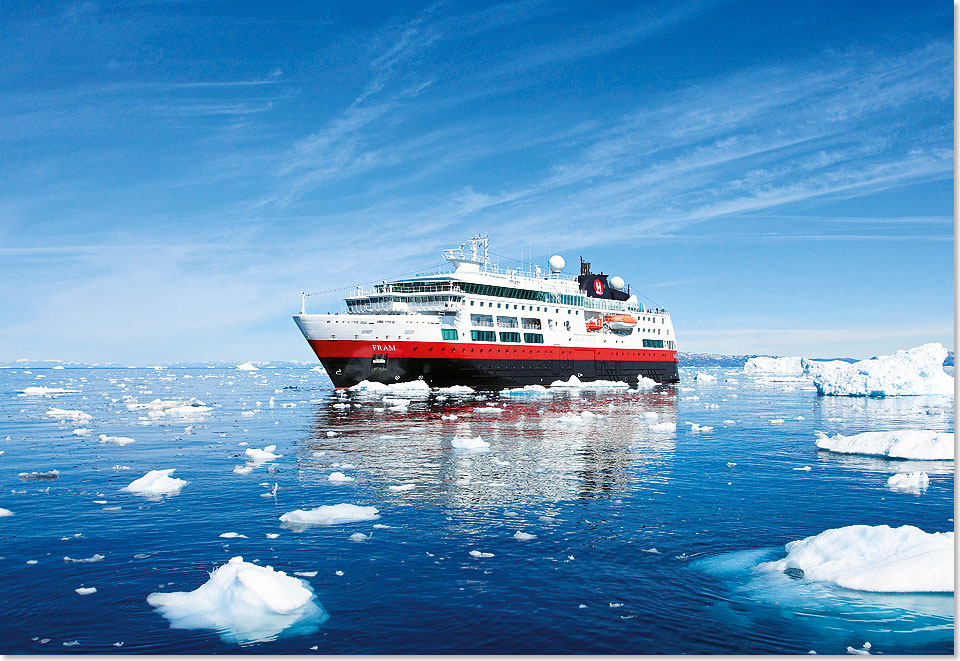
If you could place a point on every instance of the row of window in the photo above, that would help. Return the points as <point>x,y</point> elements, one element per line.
<point>506,336</point>
<point>653,344</point>
<point>529,323</point>
<point>527,294</point>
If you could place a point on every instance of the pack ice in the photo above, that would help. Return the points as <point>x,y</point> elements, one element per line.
<point>901,444</point>
<point>63,414</point>
<point>188,410</point>
<point>156,483</point>
<point>917,371</point>
<point>784,366</point>
<point>244,603</point>
<point>873,559</point>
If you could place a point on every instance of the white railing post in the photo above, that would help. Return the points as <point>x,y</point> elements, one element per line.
<point>303,302</point>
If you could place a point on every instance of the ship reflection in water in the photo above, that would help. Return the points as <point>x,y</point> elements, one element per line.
<point>572,444</point>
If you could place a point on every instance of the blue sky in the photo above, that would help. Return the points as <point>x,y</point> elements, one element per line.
<point>778,175</point>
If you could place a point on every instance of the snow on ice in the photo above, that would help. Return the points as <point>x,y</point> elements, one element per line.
<point>156,483</point>
<point>244,603</point>
<point>261,455</point>
<point>916,482</point>
<point>873,559</point>
<point>900,444</point>
<point>785,366</point>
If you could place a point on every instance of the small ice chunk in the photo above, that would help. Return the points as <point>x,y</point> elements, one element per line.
<point>40,475</point>
<point>467,443</point>
<point>331,434</point>
<point>402,487</point>
<point>696,429</point>
<point>96,557</point>
<point>731,464</point>
<point>116,440</point>
<point>247,367</point>
<point>703,377</point>
<point>45,390</point>
<point>81,432</point>
<point>337,476</point>
<point>776,421</point>
<point>493,410</point>
<point>232,535</point>
<point>5,512</point>
<point>652,549</point>
<point>83,591</point>
<point>76,416</point>
<point>305,574</point>
<point>523,536</point>
<point>615,605</point>
<point>272,535</point>
<point>328,515</point>
<point>244,603</point>
<point>650,415</point>
<point>480,554</point>
<point>156,483</point>
<point>359,537</point>
<point>916,482</point>
<point>802,468</point>
<point>261,455</point>
<point>243,470</point>
<point>664,427</point>
<point>339,572</point>
<point>645,383</point>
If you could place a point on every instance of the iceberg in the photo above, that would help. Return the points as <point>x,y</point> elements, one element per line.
<point>188,410</point>
<point>784,366</point>
<point>527,391</point>
<point>703,377</point>
<point>329,515</point>
<point>644,383</point>
<point>244,603</point>
<point>599,384</point>
<point>409,389</point>
<point>116,440</point>
<point>156,483</point>
<point>5,512</point>
<point>337,476</point>
<point>900,444</point>
<point>917,371</point>
<point>260,455</point>
<point>46,390</point>
<point>873,559</point>
<point>247,367</point>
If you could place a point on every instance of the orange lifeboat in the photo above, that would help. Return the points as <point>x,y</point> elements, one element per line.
<point>620,321</point>
<point>594,324</point>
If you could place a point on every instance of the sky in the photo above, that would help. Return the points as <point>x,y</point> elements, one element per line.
<point>173,175</point>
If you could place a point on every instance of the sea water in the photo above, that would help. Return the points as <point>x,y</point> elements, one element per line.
<point>631,540</point>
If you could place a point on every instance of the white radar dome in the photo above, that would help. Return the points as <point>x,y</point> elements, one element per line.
<point>557,263</point>
<point>617,283</point>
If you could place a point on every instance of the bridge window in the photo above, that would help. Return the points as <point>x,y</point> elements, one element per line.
<point>509,337</point>
<point>653,344</point>
<point>483,336</point>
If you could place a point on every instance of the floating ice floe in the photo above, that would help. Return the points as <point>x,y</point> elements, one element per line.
<point>527,391</point>
<point>480,554</point>
<point>695,428</point>
<point>873,559</point>
<point>243,470</point>
<point>664,427</point>
<point>488,410</point>
<point>84,591</point>
<point>599,384</point>
<point>703,377</point>
<point>81,432</point>
<point>96,557</point>
<point>917,371</point>
<point>40,475</point>
<point>402,487</point>
<point>456,390</point>
<point>172,410</point>
<point>244,603</point>
<point>645,383</point>
<point>45,390</point>
<point>156,483</point>
<point>404,389</point>
<point>115,440</point>
<point>76,416</point>
<point>523,536</point>
<point>916,482</point>
<point>476,444</point>
<point>329,515</point>
<point>248,367</point>
<point>5,512</point>
<point>261,455</point>
<point>650,415</point>
<point>233,535</point>
<point>359,537</point>
<point>337,476</point>
<point>901,444</point>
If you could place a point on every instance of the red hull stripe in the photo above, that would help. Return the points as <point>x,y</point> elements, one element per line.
<point>401,349</point>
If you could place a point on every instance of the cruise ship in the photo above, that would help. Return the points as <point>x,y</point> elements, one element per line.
<point>483,326</point>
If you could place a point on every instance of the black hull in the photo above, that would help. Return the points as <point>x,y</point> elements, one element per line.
<point>492,374</point>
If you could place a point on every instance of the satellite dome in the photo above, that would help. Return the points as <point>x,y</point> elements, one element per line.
<point>617,283</point>
<point>557,263</point>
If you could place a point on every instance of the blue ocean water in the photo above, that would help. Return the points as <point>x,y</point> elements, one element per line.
<point>601,495</point>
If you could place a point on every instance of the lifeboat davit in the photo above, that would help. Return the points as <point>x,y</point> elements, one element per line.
<point>620,321</point>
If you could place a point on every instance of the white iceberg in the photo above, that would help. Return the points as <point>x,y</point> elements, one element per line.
<point>523,536</point>
<point>916,482</point>
<point>645,383</point>
<point>76,416</point>
<point>873,559</point>
<point>917,371</point>
<point>329,515</point>
<point>247,367</point>
<point>527,391</point>
<point>337,476</point>
<point>84,591</point>
<point>784,366</point>
<point>477,443</point>
<point>703,377</point>
<point>901,444</point>
<point>176,410</point>
<point>599,384</point>
<point>46,390</point>
<point>409,389</point>
<point>244,603</point>
<point>5,512</point>
<point>664,427</point>
<point>156,483</point>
